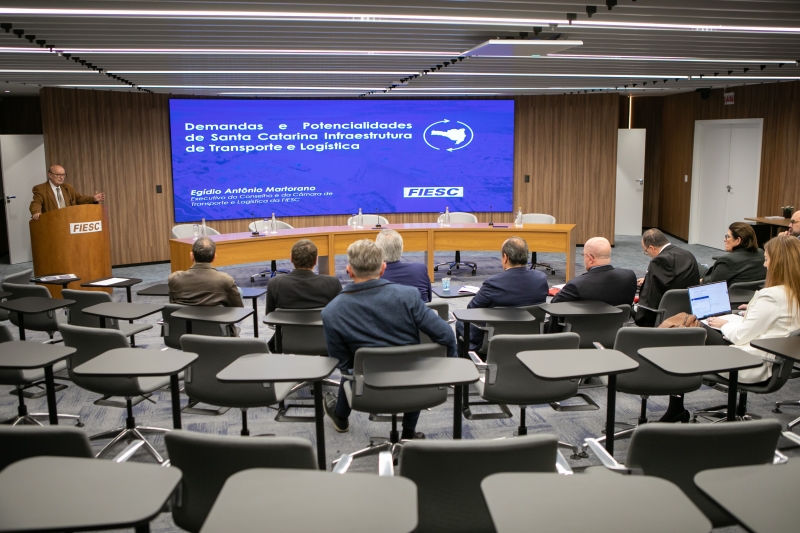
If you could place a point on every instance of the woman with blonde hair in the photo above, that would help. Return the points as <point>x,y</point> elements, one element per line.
<point>774,311</point>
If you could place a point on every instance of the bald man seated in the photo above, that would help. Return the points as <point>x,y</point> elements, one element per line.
<point>55,194</point>
<point>601,282</point>
<point>794,226</point>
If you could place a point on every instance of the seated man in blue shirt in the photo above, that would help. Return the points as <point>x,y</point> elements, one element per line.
<point>516,286</point>
<point>374,312</point>
<point>411,274</point>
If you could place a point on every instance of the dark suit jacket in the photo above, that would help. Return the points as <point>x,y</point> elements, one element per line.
<point>511,288</point>
<point>614,286</point>
<point>44,199</point>
<point>202,284</point>
<point>301,289</point>
<point>411,274</point>
<point>739,265</point>
<point>673,268</point>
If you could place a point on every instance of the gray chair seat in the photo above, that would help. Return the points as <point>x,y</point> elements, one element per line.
<point>133,329</point>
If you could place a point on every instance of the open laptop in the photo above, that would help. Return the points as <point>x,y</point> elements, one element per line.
<point>710,300</point>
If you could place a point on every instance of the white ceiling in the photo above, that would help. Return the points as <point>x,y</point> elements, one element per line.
<point>326,48</point>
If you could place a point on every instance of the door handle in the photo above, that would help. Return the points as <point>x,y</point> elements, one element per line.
<point>9,198</point>
<point>730,189</point>
<point>640,182</point>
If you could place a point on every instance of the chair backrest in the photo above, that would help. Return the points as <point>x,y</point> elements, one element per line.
<point>38,321</point>
<point>260,225</point>
<point>598,328</point>
<point>88,344</point>
<point>369,220</point>
<point>748,285</point>
<point>459,217</point>
<point>20,278</point>
<point>648,379</point>
<point>509,381</point>
<point>11,376</point>
<point>676,452</point>
<point>84,299</point>
<point>5,334</point>
<point>175,328</point>
<point>538,218</point>
<point>304,340</point>
<point>214,354</point>
<point>22,442</point>
<point>448,476</point>
<point>184,231</point>
<point>207,461</point>
<point>520,328</point>
<point>375,401</point>
<point>675,301</point>
<point>442,309</point>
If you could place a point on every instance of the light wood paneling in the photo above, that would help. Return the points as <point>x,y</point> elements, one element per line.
<point>119,143</point>
<point>568,147</point>
<point>777,103</point>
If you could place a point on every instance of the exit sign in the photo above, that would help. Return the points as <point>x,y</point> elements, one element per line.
<point>728,98</point>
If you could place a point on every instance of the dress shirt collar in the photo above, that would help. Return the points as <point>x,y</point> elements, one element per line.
<point>54,187</point>
<point>662,248</point>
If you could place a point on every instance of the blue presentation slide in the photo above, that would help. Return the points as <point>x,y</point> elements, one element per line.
<point>251,158</point>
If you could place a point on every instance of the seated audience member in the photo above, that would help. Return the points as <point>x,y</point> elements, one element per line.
<point>202,284</point>
<point>670,268</point>
<point>411,274</point>
<point>374,312</point>
<point>794,226</point>
<point>601,282</point>
<point>745,262</point>
<point>773,312</point>
<point>516,286</point>
<point>301,288</point>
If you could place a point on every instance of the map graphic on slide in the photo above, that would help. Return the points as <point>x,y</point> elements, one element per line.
<point>455,135</point>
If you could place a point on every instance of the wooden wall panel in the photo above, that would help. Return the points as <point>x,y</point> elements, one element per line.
<point>647,114</point>
<point>568,147</point>
<point>777,103</point>
<point>119,142</point>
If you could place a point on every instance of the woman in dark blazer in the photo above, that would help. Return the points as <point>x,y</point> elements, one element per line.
<point>745,262</point>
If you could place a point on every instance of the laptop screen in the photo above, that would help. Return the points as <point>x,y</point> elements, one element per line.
<point>710,300</point>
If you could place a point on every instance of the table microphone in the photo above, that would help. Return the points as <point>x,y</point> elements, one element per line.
<point>377,219</point>
<point>490,217</point>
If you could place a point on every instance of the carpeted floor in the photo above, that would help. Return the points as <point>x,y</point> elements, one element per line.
<point>436,424</point>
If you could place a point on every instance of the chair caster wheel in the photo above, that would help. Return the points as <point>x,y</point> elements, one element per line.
<point>78,424</point>
<point>474,272</point>
<point>693,420</point>
<point>777,410</point>
<point>458,267</point>
<point>449,272</point>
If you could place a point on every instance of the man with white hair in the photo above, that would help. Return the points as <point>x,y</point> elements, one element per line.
<point>374,312</point>
<point>601,282</point>
<point>411,274</point>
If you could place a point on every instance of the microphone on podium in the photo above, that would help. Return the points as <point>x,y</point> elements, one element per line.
<point>377,219</point>
<point>490,217</point>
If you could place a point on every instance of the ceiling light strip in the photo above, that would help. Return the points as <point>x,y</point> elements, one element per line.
<point>668,59</point>
<point>310,72</point>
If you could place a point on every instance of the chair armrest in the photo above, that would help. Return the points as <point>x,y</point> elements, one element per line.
<point>598,345</point>
<point>640,306</point>
<point>779,458</point>
<point>608,460</point>
<point>450,317</point>
<point>129,450</point>
<point>385,464</point>
<point>562,466</point>
<point>343,464</point>
<point>359,388</point>
<point>475,359</point>
<point>795,438</point>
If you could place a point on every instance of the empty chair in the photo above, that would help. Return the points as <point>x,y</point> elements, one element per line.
<point>23,379</point>
<point>673,302</point>
<point>47,321</point>
<point>260,226</point>
<point>207,461</point>
<point>678,452</point>
<point>458,217</point>
<point>748,285</point>
<point>600,329</point>
<point>21,443</point>
<point>539,218</point>
<point>369,220</point>
<point>649,380</point>
<point>448,476</point>
<point>88,344</point>
<point>175,328</point>
<point>19,278</point>
<point>84,299</point>
<point>213,355</point>
<point>507,381</point>
<point>367,399</point>
<point>185,231</point>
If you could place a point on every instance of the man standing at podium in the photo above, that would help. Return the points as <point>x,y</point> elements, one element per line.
<point>55,194</point>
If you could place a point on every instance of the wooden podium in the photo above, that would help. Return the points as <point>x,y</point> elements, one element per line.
<point>72,240</point>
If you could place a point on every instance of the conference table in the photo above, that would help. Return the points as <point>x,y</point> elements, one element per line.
<point>241,248</point>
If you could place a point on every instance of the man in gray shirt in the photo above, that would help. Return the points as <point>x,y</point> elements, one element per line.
<point>375,312</point>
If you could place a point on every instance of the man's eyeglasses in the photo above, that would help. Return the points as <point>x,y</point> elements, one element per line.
<point>792,221</point>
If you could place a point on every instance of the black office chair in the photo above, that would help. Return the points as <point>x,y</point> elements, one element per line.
<point>673,302</point>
